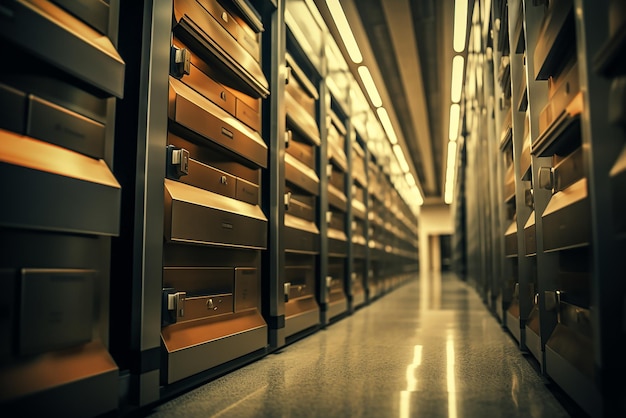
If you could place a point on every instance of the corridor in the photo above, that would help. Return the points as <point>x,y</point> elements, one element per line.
<point>428,349</point>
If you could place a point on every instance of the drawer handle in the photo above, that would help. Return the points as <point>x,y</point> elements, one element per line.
<point>227,133</point>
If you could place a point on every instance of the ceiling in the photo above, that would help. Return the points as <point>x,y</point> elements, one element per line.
<point>407,45</point>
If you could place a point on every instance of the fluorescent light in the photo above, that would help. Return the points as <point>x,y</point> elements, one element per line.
<point>477,41</point>
<point>455,115</point>
<point>460,24</point>
<point>370,86</point>
<point>419,200</point>
<point>386,122</point>
<point>404,165</point>
<point>344,30</point>
<point>410,180</point>
<point>450,166</point>
<point>457,78</point>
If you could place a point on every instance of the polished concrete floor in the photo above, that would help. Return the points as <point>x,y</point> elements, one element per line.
<point>428,349</point>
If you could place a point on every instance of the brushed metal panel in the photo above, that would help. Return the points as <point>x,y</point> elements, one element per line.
<point>576,384</point>
<point>513,325</point>
<point>300,97</point>
<point>92,12</point>
<point>525,158</point>
<point>201,217</point>
<point>301,176</point>
<point>509,184</point>
<point>13,115</point>
<point>302,209</point>
<point>337,178</point>
<point>301,235</point>
<point>248,115</point>
<point>207,306</point>
<point>305,153</point>
<point>250,15</point>
<point>247,192</point>
<point>197,346</point>
<point>209,88</point>
<point>337,220</point>
<point>566,221</point>
<point>57,309</point>
<point>337,199</point>
<point>206,80</point>
<point>247,289</point>
<point>573,347</point>
<point>60,126</point>
<point>80,383</point>
<point>8,305</point>
<point>338,157</point>
<point>66,191</point>
<point>211,179</point>
<point>568,170</point>
<point>195,112</point>
<point>560,132</point>
<point>530,235</point>
<point>220,14</point>
<point>562,93</point>
<point>236,25</point>
<point>618,192</point>
<point>359,209</point>
<point>51,33</point>
<point>198,29</point>
<point>301,314</point>
<point>337,307</point>
<point>555,39</point>
<point>200,280</point>
<point>222,161</point>
<point>298,118</point>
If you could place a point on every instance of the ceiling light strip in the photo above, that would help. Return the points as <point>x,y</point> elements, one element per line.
<point>345,31</point>
<point>404,165</point>
<point>457,78</point>
<point>460,24</point>
<point>370,86</point>
<point>455,114</point>
<point>387,126</point>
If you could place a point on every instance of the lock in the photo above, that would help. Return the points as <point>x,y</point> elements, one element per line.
<point>288,136</point>
<point>173,308</point>
<point>180,62</point>
<point>177,162</point>
<point>287,290</point>
<point>287,200</point>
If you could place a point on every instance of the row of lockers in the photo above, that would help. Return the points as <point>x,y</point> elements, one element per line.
<point>543,139</point>
<point>186,196</point>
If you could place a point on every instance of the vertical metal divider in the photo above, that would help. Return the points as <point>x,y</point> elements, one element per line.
<point>323,106</point>
<point>143,127</point>
<point>273,259</point>
<point>350,136</point>
<point>547,263</point>
<point>505,264</point>
<point>602,142</point>
<point>521,209</point>
<point>366,232</point>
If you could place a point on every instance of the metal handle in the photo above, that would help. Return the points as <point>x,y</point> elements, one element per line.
<point>288,136</point>
<point>546,178</point>
<point>287,200</point>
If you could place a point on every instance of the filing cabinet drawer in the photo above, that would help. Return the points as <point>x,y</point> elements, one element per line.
<point>302,206</point>
<point>301,235</point>
<point>300,175</point>
<point>303,152</point>
<point>196,216</point>
<point>194,112</point>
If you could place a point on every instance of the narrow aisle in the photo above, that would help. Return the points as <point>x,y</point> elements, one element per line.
<point>428,349</point>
